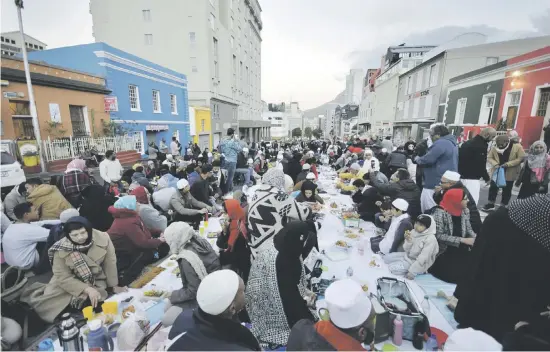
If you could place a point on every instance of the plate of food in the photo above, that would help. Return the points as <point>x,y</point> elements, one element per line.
<point>350,215</point>
<point>334,205</point>
<point>342,244</point>
<point>374,264</point>
<point>153,293</point>
<point>352,236</point>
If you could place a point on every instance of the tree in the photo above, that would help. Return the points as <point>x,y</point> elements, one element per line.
<point>297,132</point>
<point>308,132</point>
<point>317,133</point>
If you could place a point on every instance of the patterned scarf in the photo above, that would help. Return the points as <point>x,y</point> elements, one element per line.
<point>275,178</point>
<point>80,268</point>
<point>532,216</point>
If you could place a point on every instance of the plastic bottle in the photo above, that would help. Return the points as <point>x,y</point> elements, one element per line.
<point>431,344</point>
<point>397,331</point>
<point>426,306</point>
<point>349,272</point>
<point>361,247</point>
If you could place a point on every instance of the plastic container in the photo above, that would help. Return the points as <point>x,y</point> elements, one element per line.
<point>397,331</point>
<point>349,272</point>
<point>431,344</point>
<point>46,345</point>
<point>426,306</point>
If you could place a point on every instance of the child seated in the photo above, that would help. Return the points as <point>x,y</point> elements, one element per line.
<point>382,220</point>
<point>420,247</point>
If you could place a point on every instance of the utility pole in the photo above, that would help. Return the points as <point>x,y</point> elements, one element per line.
<point>35,125</point>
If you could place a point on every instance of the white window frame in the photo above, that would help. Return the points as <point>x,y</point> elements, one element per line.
<point>490,58</point>
<point>536,99</point>
<point>212,20</point>
<point>146,15</point>
<point>419,77</point>
<point>194,66</point>
<point>483,108</point>
<point>136,93</point>
<point>508,103</point>
<point>460,113</point>
<point>173,104</point>
<point>148,38</point>
<point>432,78</point>
<point>192,37</point>
<point>409,85</point>
<point>156,102</point>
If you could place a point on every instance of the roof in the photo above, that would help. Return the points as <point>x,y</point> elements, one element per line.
<point>44,63</point>
<point>26,35</point>
<point>40,79</point>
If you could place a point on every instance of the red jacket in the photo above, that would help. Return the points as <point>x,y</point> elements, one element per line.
<point>128,233</point>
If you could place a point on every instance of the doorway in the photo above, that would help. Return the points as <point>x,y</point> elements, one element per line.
<point>204,141</point>
<point>511,110</point>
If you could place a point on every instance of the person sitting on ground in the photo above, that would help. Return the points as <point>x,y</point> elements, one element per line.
<point>400,223</point>
<point>293,167</point>
<point>25,240</point>
<point>196,259</point>
<point>84,268</point>
<point>289,184</point>
<point>400,186</point>
<point>46,198</point>
<point>370,163</point>
<point>350,323</point>
<point>16,196</point>
<point>201,189</point>
<point>74,180</point>
<point>95,207</point>
<point>352,173</point>
<point>218,181</point>
<point>305,170</point>
<point>152,219</point>
<point>233,241</point>
<point>451,180</point>
<point>139,179</point>
<point>185,206</point>
<point>309,177</point>
<point>308,193</point>
<point>193,174</point>
<point>170,179</point>
<point>135,247</point>
<point>535,174</point>
<point>163,194</point>
<point>277,285</point>
<point>366,198</point>
<point>214,325</point>
<point>56,233</point>
<point>420,247</point>
<point>127,174</point>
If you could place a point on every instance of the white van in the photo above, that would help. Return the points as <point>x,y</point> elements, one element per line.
<point>11,172</point>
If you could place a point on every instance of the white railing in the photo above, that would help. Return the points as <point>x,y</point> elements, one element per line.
<point>68,148</point>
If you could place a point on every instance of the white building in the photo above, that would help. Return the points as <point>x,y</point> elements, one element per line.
<point>216,43</point>
<point>11,43</point>
<point>279,123</point>
<point>354,86</point>
<point>329,120</point>
<point>295,117</point>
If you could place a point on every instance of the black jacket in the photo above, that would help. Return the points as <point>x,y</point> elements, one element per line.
<point>293,168</point>
<point>397,159</point>
<point>304,337</point>
<point>205,332</point>
<point>241,161</point>
<point>367,203</point>
<point>201,190</point>
<point>475,218</point>
<point>472,159</point>
<point>405,189</point>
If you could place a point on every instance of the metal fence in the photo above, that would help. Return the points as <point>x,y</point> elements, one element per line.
<point>68,148</point>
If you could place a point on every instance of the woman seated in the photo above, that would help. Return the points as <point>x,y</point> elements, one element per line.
<point>196,259</point>
<point>134,245</point>
<point>150,216</point>
<point>309,193</point>
<point>455,238</point>
<point>276,289</point>
<point>84,268</point>
<point>74,180</point>
<point>95,207</point>
<point>534,175</point>
<point>400,223</point>
<point>233,241</point>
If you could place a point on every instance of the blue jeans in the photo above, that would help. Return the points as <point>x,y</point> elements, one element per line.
<point>230,167</point>
<point>246,173</point>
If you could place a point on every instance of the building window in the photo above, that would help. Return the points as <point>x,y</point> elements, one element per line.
<point>41,47</point>
<point>13,41</point>
<point>192,37</point>
<point>202,125</point>
<point>216,71</point>
<point>77,120</point>
<point>514,98</point>
<point>231,22</point>
<point>543,102</point>
<point>491,61</point>
<point>2,38</point>
<point>460,110</point>
<point>146,15</point>
<point>212,20</point>
<point>433,75</point>
<point>409,85</point>
<point>215,46</point>
<point>173,104</point>
<point>232,40</point>
<point>156,101</point>
<point>133,92</point>
<point>193,61</point>
<point>148,39</point>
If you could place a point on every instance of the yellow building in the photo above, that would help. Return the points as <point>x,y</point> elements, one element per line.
<point>202,129</point>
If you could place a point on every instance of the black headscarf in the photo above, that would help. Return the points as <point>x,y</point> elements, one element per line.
<point>309,186</point>
<point>77,222</point>
<point>95,205</point>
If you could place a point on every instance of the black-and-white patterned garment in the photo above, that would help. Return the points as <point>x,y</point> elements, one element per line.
<point>269,210</point>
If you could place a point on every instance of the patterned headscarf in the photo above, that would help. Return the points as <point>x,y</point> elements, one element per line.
<point>275,178</point>
<point>532,216</point>
<point>76,164</point>
<point>177,235</point>
<point>536,161</point>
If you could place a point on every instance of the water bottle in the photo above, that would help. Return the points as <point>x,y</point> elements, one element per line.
<point>397,331</point>
<point>349,272</point>
<point>426,306</point>
<point>431,344</point>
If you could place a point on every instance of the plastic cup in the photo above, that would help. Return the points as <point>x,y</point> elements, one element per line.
<point>88,312</point>
<point>110,307</point>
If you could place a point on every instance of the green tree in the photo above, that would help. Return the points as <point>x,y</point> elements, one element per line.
<point>317,133</point>
<point>307,132</point>
<point>297,132</point>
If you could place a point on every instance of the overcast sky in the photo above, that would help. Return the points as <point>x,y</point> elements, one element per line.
<point>309,45</point>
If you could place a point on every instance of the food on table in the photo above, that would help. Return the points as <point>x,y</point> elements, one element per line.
<point>365,287</point>
<point>333,205</point>
<point>129,309</point>
<point>176,271</point>
<point>342,244</point>
<point>348,230</point>
<point>147,277</point>
<point>173,257</point>
<point>374,264</point>
<point>153,293</point>
<point>350,215</point>
<point>169,264</point>
<point>212,235</point>
<point>361,230</point>
<point>352,236</point>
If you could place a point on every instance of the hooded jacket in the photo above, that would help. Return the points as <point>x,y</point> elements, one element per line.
<point>422,249</point>
<point>150,216</point>
<point>441,156</point>
<point>140,179</point>
<point>129,234</point>
<point>406,189</point>
<point>472,159</point>
<point>95,207</point>
<point>50,200</point>
<point>397,159</point>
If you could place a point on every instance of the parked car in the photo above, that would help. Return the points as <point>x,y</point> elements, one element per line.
<point>11,172</point>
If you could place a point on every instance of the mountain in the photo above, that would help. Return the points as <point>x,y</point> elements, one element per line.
<point>322,109</point>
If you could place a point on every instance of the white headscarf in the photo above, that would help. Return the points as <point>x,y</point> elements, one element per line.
<point>177,235</point>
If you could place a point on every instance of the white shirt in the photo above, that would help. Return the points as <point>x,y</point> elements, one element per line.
<point>19,242</point>
<point>174,148</point>
<point>162,197</point>
<point>110,170</point>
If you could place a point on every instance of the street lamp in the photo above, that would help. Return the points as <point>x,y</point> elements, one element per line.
<point>35,125</point>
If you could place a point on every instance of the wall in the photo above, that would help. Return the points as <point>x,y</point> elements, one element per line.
<point>474,95</point>
<point>385,103</point>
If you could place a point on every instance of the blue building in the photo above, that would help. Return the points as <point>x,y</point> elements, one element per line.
<point>147,99</point>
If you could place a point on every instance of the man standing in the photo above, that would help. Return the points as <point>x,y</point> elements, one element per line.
<point>230,148</point>
<point>441,156</point>
<point>174,147</point>
<point>111,170</point>
<point>472,161</point>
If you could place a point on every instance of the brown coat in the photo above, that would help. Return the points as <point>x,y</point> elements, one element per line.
<point>50,200</point>
<point>48,300</point>
<point>514,162</point>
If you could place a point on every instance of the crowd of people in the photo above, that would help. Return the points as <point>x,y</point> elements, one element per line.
<point>422,197</point>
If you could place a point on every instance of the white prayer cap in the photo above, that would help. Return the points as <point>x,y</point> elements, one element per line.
<point>306,166</point>
<point>310,176</point>
<point>311,152</point>
<point>471,340</point>
<point>347,304</point>
<point>368,151</point>
<point>217,291</point>
<point>355,166</point>
<point>250,161</point>
<point>169,157</point>
<point>452,176</point>
<point>245,150</point>
<point>182,183</point>
<point>188,149</point>
<point>384,150</point>
<point>279,156</point>
<point>400,204</point>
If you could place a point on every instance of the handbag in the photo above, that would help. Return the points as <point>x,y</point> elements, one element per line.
<point>499,177</point>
